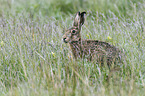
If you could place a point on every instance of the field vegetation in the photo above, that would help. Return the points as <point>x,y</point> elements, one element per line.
<point>34,61</point>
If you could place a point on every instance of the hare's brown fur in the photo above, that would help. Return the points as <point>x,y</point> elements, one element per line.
<point>93,50</point>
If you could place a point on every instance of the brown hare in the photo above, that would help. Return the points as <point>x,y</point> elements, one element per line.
<point>93,50</point>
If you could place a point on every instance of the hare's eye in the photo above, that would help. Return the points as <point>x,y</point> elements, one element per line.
<point>73,31</point>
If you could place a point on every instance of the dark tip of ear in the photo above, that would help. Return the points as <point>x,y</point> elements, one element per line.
<point>83,13</point>
<point>78,13</point>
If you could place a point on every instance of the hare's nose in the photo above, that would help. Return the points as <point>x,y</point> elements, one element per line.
<point>64,40</point>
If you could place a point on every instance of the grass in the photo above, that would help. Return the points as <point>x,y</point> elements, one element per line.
<point>35,61</point>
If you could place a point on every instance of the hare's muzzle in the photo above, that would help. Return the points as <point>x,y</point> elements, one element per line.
<point>64,40</point>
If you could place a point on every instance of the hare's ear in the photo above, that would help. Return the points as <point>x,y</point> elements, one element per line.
<point>77,19</point>
<point>82,18</point>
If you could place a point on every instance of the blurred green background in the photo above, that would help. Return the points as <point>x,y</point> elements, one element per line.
<point>61,8</point>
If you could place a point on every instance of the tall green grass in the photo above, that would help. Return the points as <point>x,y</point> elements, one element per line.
<point>35,61</point>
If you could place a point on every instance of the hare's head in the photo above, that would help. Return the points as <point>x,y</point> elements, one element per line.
<point>73,34</point>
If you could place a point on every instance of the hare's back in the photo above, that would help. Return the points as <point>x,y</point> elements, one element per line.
<point>102,49</point>
<point>100,46</point>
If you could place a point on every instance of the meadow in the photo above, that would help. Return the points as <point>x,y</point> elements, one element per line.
<point>34,61</point>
